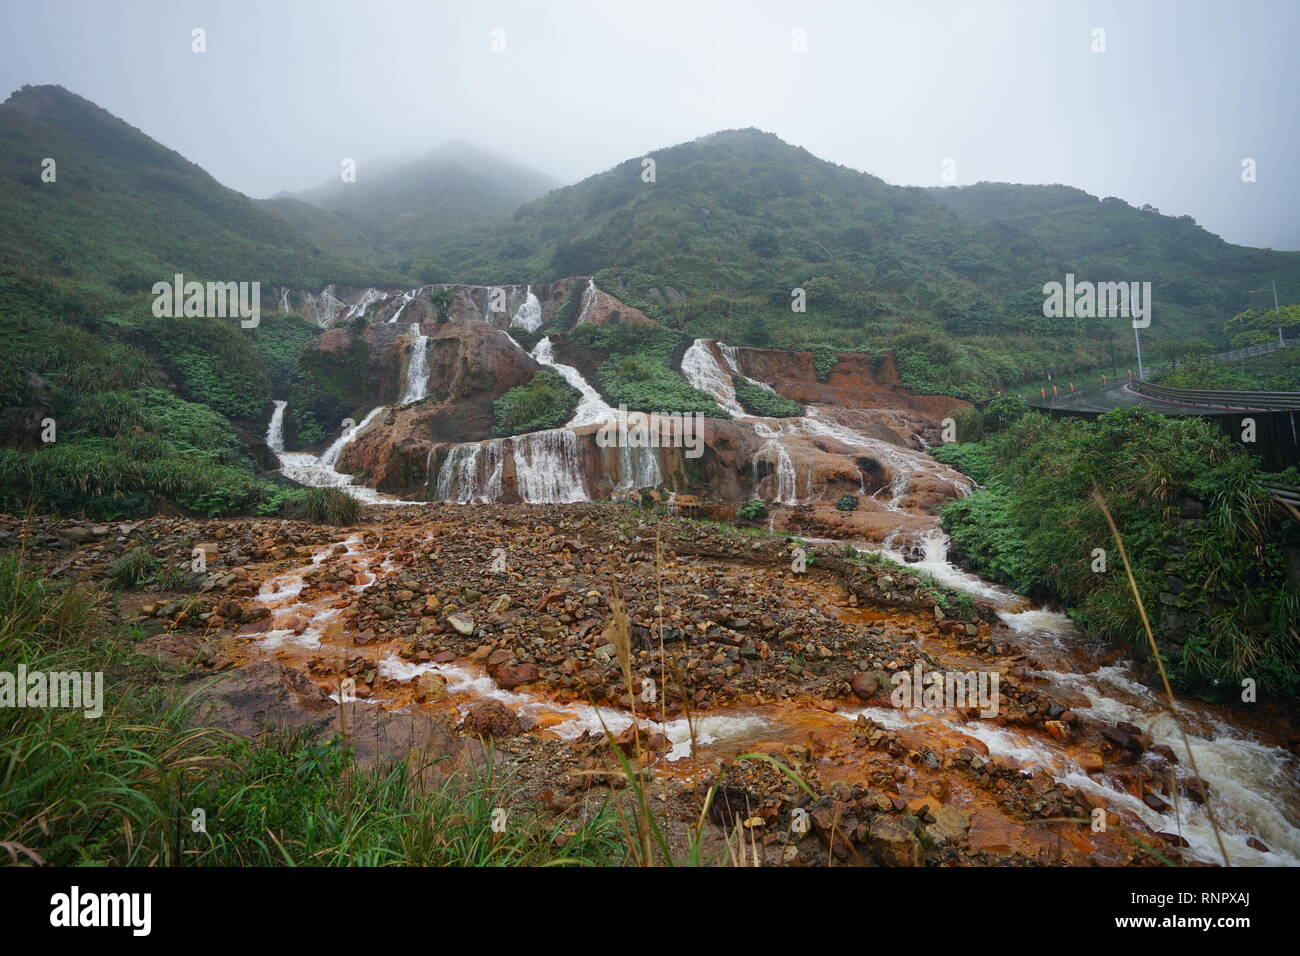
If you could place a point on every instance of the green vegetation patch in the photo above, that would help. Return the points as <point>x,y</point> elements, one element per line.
<point>547,401</point>
<point>762,401</point>
<point>1208,553</point>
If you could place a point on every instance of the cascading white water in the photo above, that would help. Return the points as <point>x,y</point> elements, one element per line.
<point>284,300</point>
<point>934,546</point>
<point>471,474</point>
<point>275,429</point>
<point>592,409</point>
<point>548,467</point>
<point>638,468</point>
<point>1252,791</point>
<point>319,472</point>
<point>702,371</point>
<point>331,454</point>
<point>417,369</point>
<point>368,298</point>
<point>785,477</point>
<point>529,315</point>
<point>588,300</point>
<point>323,308</point>
<point>407,299</point>
<point>904,463</point>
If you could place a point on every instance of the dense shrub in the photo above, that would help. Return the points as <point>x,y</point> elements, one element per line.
<point>547,401</point>
<point>330,506</point>
<point>1035,526</point>
<point>761,401</point>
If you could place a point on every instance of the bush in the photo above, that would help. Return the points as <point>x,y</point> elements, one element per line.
<point>646,385</point>
<point>547,401</point>
<point>330,506</point>
<point>847,503</point>
<point>751,510</point>
<point>824,362</point>
<point>761,401</point>
<point>1035,526</point>
<point>134,568</point>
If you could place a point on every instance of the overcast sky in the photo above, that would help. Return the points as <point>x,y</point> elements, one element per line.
<point>1011,91</point>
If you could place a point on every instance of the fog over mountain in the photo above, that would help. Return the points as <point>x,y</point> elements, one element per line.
<point>1182,94</point>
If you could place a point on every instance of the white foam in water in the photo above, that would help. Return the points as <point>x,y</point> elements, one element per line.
<point>417,369</point>
<point>407,299</point>
<point>710,730</point>
<point>471,473</point>
<point>1030,753</point>
<point>368,298</point>
<point>638,468</point>
<point>592,409</point>
<point>275,428</point>
<point>548,467</point>
<point>529,315</point>
<point>785,478</point>
<point>1250,786</point>
<point>319,472</point>
<point>588,300</point>
<point>934,545</point>
<point>888,717</point>
<point>702,371</point>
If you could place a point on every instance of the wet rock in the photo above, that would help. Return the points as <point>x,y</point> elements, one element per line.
<point>950,823</point>
<point>865,685</point>
<point>491,718</point>
<point>510,676</point>
<point>892,843</point>
<point>430,687</point>
<point>463,623</point>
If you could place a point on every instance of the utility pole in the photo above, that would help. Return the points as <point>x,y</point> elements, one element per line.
<point>1277,312</point>
<point>1137,337</point>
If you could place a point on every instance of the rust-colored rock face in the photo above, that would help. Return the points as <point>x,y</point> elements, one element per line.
<point>856,381</point>
<point>862,434</point>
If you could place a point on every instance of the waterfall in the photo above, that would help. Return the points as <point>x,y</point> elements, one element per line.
<point>407,299</point>
<point>275,429</point>
<point>703,372</point>
<point>307,469</point>
<point>592,409</point>
<point>331,454</point>
<point>774,453</point>
<point>529,315</point>
<point>638,468</point>
<point>368,298</point>
<point>588,300</point>
<point>548,467</point>
<point>904,463</point>
<point>417,368</point>
<point>323,308</point>
<point>462,478</point>
<point>284,300</point>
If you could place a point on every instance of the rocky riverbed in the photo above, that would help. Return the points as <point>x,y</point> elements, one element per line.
<point>441,628</point>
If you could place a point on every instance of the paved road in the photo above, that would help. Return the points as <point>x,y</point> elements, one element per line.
<point>1095,398</point>
<point>1120,395</point>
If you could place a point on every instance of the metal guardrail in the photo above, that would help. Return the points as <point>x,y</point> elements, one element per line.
<point>1253,350</point>
<point>1287,495</point>
<point>1248,401</point>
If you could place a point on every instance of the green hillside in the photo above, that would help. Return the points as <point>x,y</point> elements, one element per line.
<point>124,212</point>
<point>398,207</point>
<point>737,220</point>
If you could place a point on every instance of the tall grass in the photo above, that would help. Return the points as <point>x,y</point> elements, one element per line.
<point>122,789</point>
